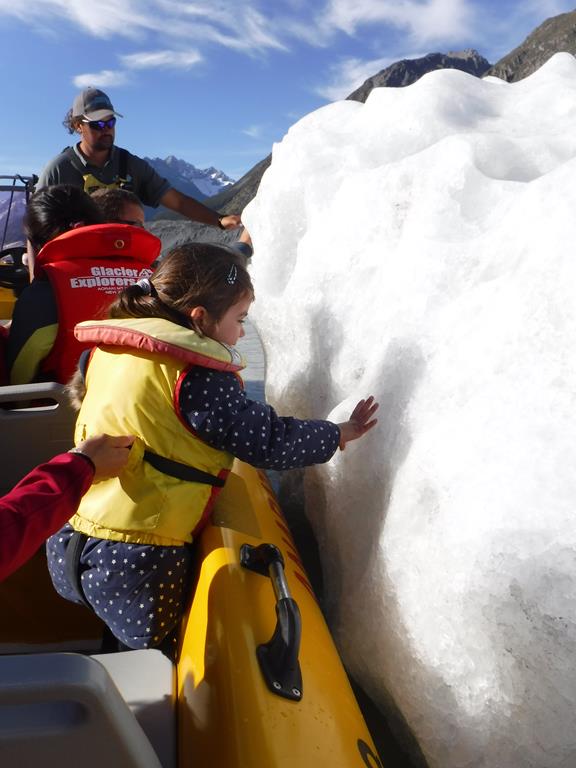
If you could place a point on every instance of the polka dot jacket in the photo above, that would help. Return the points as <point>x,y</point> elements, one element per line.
<point>215,406</point>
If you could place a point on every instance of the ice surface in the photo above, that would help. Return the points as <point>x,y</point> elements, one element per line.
<point>422,247</point>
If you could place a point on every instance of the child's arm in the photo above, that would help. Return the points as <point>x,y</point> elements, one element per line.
<point>218,411</point>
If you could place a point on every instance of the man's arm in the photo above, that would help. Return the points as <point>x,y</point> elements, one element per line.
<point>192,209</point>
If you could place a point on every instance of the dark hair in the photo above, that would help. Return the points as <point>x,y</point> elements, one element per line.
<point>54,210</point>
<point>191,275</point>
<point>70,122</point>
<point>111,201</point>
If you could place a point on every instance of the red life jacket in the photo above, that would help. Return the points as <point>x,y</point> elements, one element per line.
<point>86,268</point>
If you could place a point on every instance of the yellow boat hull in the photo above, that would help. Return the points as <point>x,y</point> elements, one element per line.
<point>227,714</point>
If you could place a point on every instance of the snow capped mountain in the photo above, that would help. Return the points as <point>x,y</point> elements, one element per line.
<point>198,182</point>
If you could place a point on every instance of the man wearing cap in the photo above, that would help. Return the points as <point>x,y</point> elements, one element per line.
<point>96,162</point>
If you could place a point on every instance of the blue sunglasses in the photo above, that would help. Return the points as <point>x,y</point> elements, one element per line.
<point>99,125</point>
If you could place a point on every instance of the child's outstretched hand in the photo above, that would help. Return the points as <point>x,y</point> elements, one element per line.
<point>359,422</point>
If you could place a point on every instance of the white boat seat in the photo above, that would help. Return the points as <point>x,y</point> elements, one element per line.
<point>147,681</point>
<point>64,709</point>
<point>38,424</point>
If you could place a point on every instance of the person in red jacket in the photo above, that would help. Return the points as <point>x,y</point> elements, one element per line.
<point>50,494</point>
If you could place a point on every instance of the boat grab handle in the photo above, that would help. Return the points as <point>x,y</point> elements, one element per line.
<point>278,658</point>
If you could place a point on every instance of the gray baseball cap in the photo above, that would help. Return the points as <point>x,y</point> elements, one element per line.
<point>93,104</point>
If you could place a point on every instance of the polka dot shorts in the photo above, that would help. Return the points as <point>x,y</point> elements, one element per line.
<point>138,590</point>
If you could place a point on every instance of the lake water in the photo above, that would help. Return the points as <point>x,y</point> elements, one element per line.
<point>250,348</point>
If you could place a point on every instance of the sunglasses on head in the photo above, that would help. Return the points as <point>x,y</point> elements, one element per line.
<point>99,125</point>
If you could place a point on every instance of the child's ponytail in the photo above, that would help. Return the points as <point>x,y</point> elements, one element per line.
<point>141,300</point>
<point>191,275</point>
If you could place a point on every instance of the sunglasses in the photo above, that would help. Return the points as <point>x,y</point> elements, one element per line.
<point>99,125</point>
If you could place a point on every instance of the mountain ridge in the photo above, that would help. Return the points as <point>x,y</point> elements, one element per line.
<point>398,75</point>
<point>558,33</point>
<point>555,34</point>
<point>197,182</point>
<point>407,71</point>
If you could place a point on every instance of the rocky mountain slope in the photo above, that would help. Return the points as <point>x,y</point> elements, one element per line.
<point>407,71</point>
<point>235,198</point>
<point>554,35</point>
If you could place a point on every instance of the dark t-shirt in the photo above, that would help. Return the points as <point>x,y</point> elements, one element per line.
<point>142,179</point>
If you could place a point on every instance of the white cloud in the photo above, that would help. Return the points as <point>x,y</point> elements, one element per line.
<point>349,74</point>
<point>254,131</point>
<point>424,21</point>
<point>103,79</point>
<point>178,31</point>
<point>259,30</point>
<point>233,24</point>
<point>109,17</point>
<point>127,18</point>
<point>245,30</point>
<point>162,59</point>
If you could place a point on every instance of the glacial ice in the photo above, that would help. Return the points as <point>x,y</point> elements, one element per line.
<point>422,247</point>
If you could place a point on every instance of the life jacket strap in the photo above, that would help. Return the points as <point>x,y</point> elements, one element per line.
<point>182,471</point>
<point>121,179</point>
<point>72,565</point>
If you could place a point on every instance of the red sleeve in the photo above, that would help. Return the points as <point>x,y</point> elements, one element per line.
<point>39,505</point>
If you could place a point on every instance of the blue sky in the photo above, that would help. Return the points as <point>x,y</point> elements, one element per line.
<point>218,82</point>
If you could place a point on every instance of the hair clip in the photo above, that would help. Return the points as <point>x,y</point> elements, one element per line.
<point>232,275</point>
<point>145,286</point>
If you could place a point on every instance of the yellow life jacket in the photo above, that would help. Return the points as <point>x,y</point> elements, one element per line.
<point>91,183</point>
<point>123,178</point>
<point>132,388</point>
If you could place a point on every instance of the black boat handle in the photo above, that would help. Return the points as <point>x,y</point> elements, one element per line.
<point>278,658</point>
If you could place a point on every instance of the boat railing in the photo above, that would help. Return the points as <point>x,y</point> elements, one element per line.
<point>12,185</point>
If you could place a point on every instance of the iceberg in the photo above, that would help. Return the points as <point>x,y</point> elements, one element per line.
<point>421,247</point>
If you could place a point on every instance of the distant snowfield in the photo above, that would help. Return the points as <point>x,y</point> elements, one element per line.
<point>422,247</point>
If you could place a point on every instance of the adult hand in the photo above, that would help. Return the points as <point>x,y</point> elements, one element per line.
<point>360,421</point>
<point>231,221</point>
<point>109,454</point>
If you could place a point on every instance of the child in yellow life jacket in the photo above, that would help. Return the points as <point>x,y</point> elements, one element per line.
<point>165,369</point>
